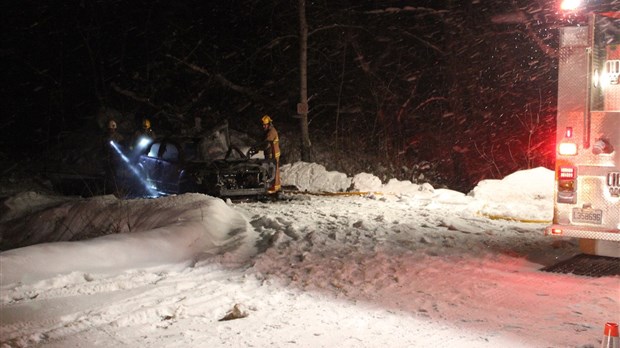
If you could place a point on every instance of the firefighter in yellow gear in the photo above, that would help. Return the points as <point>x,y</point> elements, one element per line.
<point>146,131</point>
<point>272,149</point>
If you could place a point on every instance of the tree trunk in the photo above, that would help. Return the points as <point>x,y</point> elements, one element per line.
<point>302,108</point>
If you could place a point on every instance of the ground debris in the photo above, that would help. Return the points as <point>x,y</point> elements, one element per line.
<point>235,313</point>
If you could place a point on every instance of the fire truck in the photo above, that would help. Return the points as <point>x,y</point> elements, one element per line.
<point>587,169</point>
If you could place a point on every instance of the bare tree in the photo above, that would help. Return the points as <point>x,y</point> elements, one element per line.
<point>302,108</point>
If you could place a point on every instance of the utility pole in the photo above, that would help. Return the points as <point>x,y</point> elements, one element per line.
<point>302,106</point>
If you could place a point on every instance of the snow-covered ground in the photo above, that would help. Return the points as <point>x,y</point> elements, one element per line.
<point>400,265</point>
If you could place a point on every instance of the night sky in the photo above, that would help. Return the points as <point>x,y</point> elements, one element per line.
<point>393,71</point>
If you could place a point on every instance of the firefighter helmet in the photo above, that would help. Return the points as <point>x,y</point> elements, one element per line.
<point>111,124</point>
<point>146,124</point>
<point>266,119</point>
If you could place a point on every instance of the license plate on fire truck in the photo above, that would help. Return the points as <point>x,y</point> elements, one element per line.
<point>588,215</point>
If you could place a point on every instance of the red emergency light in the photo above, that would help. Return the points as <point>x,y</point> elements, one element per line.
<point>556,231</point>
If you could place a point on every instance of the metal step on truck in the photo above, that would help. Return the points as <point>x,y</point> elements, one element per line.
<point>587,169</point>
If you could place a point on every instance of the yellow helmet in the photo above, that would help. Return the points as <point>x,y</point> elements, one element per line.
<point>266,119</point>
<point>146,124</point>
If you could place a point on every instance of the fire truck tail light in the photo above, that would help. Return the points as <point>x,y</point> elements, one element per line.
<point>567,185</point>
<point>556,231</point>
<point>566,173</point>
<point>567,149</point>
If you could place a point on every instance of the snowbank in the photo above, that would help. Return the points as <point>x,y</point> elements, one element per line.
<point>491,198</point>
<point>167,230</point>
<point>528,191</point>
<point>312,177</point>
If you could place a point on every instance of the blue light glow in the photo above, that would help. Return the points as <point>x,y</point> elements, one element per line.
<point>143,142</point>
<point>151,191</point>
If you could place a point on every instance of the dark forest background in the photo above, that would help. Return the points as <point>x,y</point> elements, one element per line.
<point>447,92</point>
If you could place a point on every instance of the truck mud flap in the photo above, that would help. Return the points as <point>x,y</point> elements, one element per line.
<point>587,265</point>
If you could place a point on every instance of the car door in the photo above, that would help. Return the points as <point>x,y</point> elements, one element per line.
<point>169,167</point>
<point>160,164</point>
<point>149,164</point>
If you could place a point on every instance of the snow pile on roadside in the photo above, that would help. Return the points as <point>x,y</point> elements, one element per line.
<point>536,183</point>
<point>366,182</point>
<point>524,191</point>
<point>168,230</point>
<point>312,177</point>
<point>492,198</point>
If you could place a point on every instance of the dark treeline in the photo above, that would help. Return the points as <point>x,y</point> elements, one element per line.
<point>456,91</point>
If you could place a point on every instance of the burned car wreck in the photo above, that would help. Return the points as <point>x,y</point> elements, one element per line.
<point>203,163</point>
